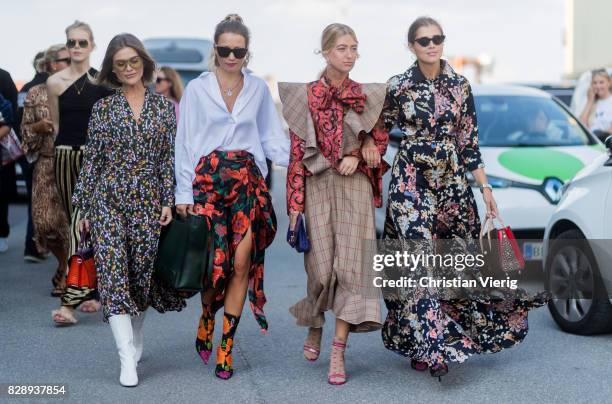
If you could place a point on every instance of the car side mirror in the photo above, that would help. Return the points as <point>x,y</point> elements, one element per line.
<point>608,143</point>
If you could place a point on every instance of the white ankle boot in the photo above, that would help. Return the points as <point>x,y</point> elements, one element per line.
<point>121,325</point>
<point>137,322</point>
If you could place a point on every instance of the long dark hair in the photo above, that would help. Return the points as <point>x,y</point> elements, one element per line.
<point>107,77</point>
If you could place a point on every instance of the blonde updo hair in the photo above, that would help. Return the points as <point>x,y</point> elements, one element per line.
<point>50,56</point>
<point>234,24</point>
<point>330,36</point>
<point>80,25</point>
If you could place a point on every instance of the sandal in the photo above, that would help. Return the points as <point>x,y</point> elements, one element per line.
<point>418,365</point>
<point>337,374</point>
<point>63,316</point>
<point>90,306</point>
<point>438,370</point>
<point>59,284</point>
<point>312,345</point>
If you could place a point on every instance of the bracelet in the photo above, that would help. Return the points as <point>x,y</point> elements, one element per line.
<point>483,186</point>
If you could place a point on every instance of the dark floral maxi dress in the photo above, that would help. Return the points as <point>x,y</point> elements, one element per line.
<point>126,179</point>
<point>430,198</point>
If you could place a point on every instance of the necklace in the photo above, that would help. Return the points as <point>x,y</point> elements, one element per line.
<point>79,90</point>
<point>230,91</point>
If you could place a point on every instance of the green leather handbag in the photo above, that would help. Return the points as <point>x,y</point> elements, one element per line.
<point>185,254</point>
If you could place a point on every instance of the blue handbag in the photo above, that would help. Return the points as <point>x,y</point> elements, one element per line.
<point>298,238</point>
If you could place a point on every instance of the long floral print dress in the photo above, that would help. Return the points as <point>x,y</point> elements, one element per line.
<point>127,177</point>
<point>430,198</point>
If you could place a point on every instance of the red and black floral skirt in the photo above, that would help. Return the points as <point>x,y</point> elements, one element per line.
<point>230,190</point>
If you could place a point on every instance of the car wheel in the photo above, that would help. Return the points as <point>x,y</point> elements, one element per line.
<point>579,303</point>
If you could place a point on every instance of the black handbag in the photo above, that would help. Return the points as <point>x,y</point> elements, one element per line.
<point>185,254</point>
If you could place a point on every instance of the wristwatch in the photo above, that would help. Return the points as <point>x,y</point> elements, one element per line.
<point>483,186</point>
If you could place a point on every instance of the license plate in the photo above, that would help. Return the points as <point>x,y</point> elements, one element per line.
<point>533,251</point>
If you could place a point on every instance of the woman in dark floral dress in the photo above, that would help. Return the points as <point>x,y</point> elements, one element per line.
<point>125,192</point>
<point>430,198</point>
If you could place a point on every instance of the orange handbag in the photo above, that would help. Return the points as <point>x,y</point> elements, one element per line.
<point>81,268</point>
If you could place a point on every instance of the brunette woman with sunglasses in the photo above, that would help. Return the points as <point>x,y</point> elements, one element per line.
<point>71,96</point>
<point>229,125</point>
<point>430,198</point>
<point>169,84</point>
<point>125,194</point>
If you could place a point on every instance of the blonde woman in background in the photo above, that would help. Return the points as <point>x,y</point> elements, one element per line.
<point>72,95</point>
<point>597,114</point>
<point>169,84</point>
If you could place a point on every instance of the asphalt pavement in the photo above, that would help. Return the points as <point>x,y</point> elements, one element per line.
<point>549,366</point>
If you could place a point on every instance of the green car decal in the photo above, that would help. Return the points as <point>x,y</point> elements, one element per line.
<point>538,163</point>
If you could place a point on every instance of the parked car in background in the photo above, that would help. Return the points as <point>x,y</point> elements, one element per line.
<point>578,251</point>
<point>562,91</point>
<point>531,145</point>
<point>188,56</point>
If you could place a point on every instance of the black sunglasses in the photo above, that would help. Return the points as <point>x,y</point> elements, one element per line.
<point>83,43</point>
<point>65,60</point>
<point>224,51</point>
<point>160,79</point>
<point>436,39</point>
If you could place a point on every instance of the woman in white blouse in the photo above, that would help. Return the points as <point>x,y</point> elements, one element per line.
<point>228,126</point>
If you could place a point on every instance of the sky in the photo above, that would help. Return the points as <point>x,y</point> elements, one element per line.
<point>524,38</point>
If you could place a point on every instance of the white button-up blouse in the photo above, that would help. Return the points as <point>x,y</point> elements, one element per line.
<point>206,125</point>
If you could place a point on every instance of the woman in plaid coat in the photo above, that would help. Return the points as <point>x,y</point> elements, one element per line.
<point>335,179</point>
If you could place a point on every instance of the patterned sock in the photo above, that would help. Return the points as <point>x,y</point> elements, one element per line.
<point>224,350</point>
<point>206,330</point>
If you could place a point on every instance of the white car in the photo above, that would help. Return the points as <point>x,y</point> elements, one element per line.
<point>578,251</point>
<point>531,145</point>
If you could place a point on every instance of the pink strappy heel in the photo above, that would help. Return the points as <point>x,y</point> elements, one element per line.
<point>310,346</point>
<point>336,376</point>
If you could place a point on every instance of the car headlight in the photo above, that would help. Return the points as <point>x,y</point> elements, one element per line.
<point>498,182</point>
<point>551,188</point>
<point>495,182</point>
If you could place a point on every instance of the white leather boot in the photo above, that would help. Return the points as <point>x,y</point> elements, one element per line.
<point>137,322</point>
<point>121,325</point>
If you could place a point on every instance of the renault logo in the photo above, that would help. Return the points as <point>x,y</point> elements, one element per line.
<point>553,189</point>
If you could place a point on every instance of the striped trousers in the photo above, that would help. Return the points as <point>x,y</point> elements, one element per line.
<point>67,164</point>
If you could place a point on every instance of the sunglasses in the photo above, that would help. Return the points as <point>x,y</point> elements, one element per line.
<point>436,39</point>
<point>65,60</point>
<point>160,79</point>
<point>224,51</point>
<point>71,43</point>
<point>135,63</point>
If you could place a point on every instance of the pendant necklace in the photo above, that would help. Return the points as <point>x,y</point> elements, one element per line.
<point>230,91</point>
<point>79,90</point>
